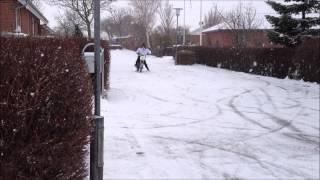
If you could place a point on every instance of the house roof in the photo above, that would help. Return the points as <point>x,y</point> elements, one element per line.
<point>47,29</point>
<point>225,26</point>
<point>122,37</point>
<point>35,11</point>
<point>220,26</point>
<point>195,32</point>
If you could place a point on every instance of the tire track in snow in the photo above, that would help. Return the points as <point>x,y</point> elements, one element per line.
<point>284,123</point>
<point>235,109</point>
<point>263,164</point>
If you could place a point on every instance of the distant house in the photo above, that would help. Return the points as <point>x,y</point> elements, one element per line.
<point>194,37</point>
<point>221,35</point>
<point>22,17</point>
<point>128,41</point>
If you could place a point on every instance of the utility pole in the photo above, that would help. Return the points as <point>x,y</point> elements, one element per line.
<point>177,31</point>
<point>96,143</point>
<point>201,23</point>
<point>184,23</point>
<point>177,14</point>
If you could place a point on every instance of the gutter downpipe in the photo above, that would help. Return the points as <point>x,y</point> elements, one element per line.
<point>16,11</point>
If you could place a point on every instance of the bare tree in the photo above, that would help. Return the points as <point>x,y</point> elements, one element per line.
<point>166,15</point>
<point>37,3</point>
<point>119,19</point>
<point>83,8</point>
<point>251,21</point>
<point>213,17</point>
<point>144,13</point>
<point>163,33</point>
<point>67,23</point>
<point>241,19</point>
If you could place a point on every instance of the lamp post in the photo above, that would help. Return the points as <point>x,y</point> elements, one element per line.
<point>201,23</point>
<point>184,23</point>
<point>177,33</point>
<point>177,14</point>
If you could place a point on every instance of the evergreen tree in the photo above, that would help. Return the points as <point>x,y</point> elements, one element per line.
<point>293,22</point>
<point>77,31</point>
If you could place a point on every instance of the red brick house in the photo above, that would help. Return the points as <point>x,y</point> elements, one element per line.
<point>194,37</point>
<point>222,36</point>
<point>128,42</point>
<point>21,16</point>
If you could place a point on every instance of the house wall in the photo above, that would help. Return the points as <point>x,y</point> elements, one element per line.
<point>128,43</point>
<point>227,38</point>
<point>7,15</point>
<point>30,24</point>
<point>195,39</point>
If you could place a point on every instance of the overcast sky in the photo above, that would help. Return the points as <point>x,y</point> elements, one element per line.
<point>192,10</point>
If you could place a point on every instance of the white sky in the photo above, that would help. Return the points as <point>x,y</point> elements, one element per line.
<point>192,9</point>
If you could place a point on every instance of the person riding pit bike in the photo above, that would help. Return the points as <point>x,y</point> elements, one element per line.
<point>142,51</point>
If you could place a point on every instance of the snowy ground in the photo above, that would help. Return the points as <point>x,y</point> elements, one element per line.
<point>193,122</point>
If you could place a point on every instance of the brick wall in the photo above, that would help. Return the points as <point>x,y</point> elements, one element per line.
<point>229,38</point>
<point>30,24</point>
<point>195,39</point>
<point>7,16</point>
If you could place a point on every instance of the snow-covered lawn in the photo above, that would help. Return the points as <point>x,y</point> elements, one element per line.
<point>193,122</point>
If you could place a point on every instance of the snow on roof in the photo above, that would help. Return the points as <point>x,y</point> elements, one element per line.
<point>224,26</point>
<point>195,32</point>
<point>217,27</point>
<point>122,37</point>
<point>35,11</point>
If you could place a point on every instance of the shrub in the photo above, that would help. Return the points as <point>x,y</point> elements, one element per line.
<point>45,109</point>
<point>306,61</point>
<point>185,57</point>
<point>297,63</point>
<point>106,47</point>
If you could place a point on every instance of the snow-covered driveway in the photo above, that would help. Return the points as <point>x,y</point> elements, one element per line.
<point>193,122</point>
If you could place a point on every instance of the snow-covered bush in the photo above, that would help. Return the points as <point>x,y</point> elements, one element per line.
<point>45,109</point>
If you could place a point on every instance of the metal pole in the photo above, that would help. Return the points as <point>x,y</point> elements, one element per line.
<point>96,147</point>
<point>177,13</point>
<point>177,30</point>
<point>97,65</point>
<point>200,22</point>
<point>184,22</point>
<point>96,154</point>
<point>177,39</point>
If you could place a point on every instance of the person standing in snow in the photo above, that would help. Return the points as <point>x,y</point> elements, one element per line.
<point>142,51</point>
